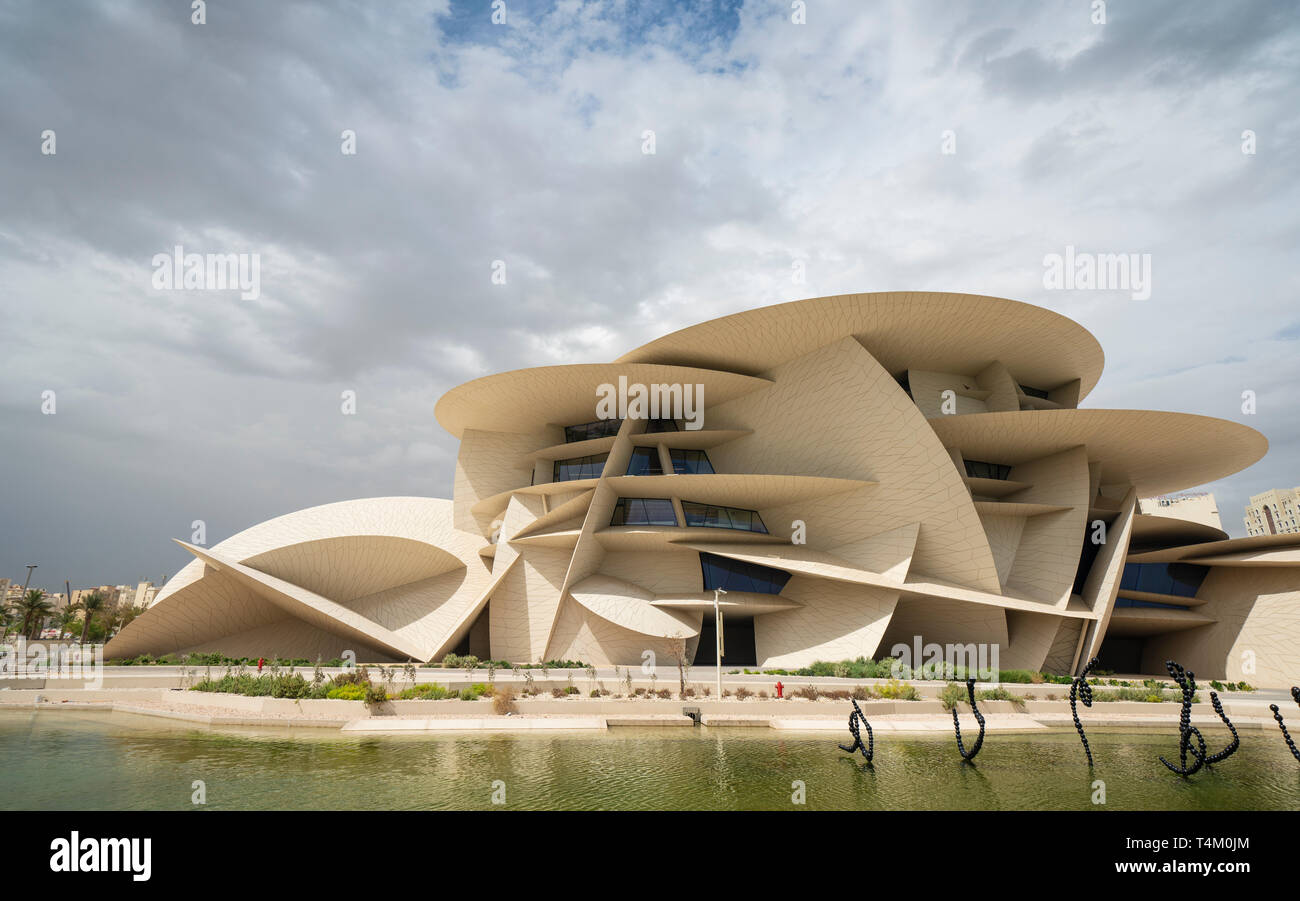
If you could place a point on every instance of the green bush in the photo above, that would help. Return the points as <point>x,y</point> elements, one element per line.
<point>427,691</point>
<point>1018,676</point>
<point>347,692</point>
<point>952,695</point>
<point>999,694</point>
<point>894,690</point>
<point>1145,695</point>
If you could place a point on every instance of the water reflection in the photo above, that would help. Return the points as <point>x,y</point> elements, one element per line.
<point>85,759</point>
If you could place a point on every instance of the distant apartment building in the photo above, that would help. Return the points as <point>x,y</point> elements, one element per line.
<point>1197,506</point>
<point>144,595</point>
<point>1273,512</point>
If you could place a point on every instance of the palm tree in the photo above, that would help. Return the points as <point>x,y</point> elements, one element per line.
<point>33,608</point>
<point>67,618</point>
<point>90,604</point>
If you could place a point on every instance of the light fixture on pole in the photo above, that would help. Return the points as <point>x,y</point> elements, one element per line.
<point>30,567</point>
<point>717,635</point>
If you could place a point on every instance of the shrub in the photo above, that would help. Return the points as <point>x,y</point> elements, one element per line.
<point>346,692</point>
<point>742,692</point>
<point>503,700</point>
<point>468,694</point>
<point>355,677</point>
<point>898,691</point>
<point>952,695</point>
<point>864,693</point>
<point>1000,694</point>
<point>1018,675</point>
<point>428,691</point>
<point>1145,695</point>
<point>375,694</point>
<point>558,692</point>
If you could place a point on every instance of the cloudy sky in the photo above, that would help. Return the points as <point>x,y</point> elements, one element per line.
<point>775,142</point>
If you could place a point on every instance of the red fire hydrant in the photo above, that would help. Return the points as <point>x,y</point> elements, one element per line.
<point>780,688</point>
<point>260,661</point>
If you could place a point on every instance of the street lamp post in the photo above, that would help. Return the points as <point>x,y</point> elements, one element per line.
<point>717,637</point>
<point>28,581</point>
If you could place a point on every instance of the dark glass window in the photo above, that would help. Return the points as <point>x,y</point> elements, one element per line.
<point>690,462</point>
<point>643,511</point>
<point>737,575</point>
<point>1087,557</point>
<point>661,425</point>
<point>645,462</point>
<point>601,428</point>
<point>722,517</point>
<point>1034,392</point>
<point>1179,579</point>
<point>1129,602</point>
<point>579,468</point>
<point>905,382</point>
<point>978,469</point>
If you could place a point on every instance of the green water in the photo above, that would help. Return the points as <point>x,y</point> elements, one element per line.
<point>91,760</point>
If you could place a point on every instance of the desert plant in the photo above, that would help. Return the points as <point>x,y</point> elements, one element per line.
<point>503,700</point>
<point>898,691</point>
<point>952,695</point>
<point>1000,694</point>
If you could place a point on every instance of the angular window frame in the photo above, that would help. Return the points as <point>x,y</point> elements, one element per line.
<point>644,511</point>
<point>588,467</point>
<point>738,575</point>
<point>705,516</point>
<point>653,466</point>
<point>597,428</point>
<point>681,455</point>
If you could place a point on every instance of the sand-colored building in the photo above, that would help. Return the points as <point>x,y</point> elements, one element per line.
<point>854,471</point>
<point>1196,506</point>
<point>1275,512</point>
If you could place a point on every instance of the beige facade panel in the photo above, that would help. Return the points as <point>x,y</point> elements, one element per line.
<point>1256,614</point>
<point>1153,451</point>
<point>631,607</point>
<point>751,491</point>
<point>529,400</point>
<point>377,559</point>
<point>1232,546</point>
<point>1155,532</point>
<point>902,329</point>
<point>836,412</point>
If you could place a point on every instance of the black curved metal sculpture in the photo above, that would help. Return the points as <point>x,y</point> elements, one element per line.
<point>1277,715</point>
<point>1186,731</point>
<point>868,749</point>
<point>969,757</point>
<point>1083,691</point>
<point>1236,739</point>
